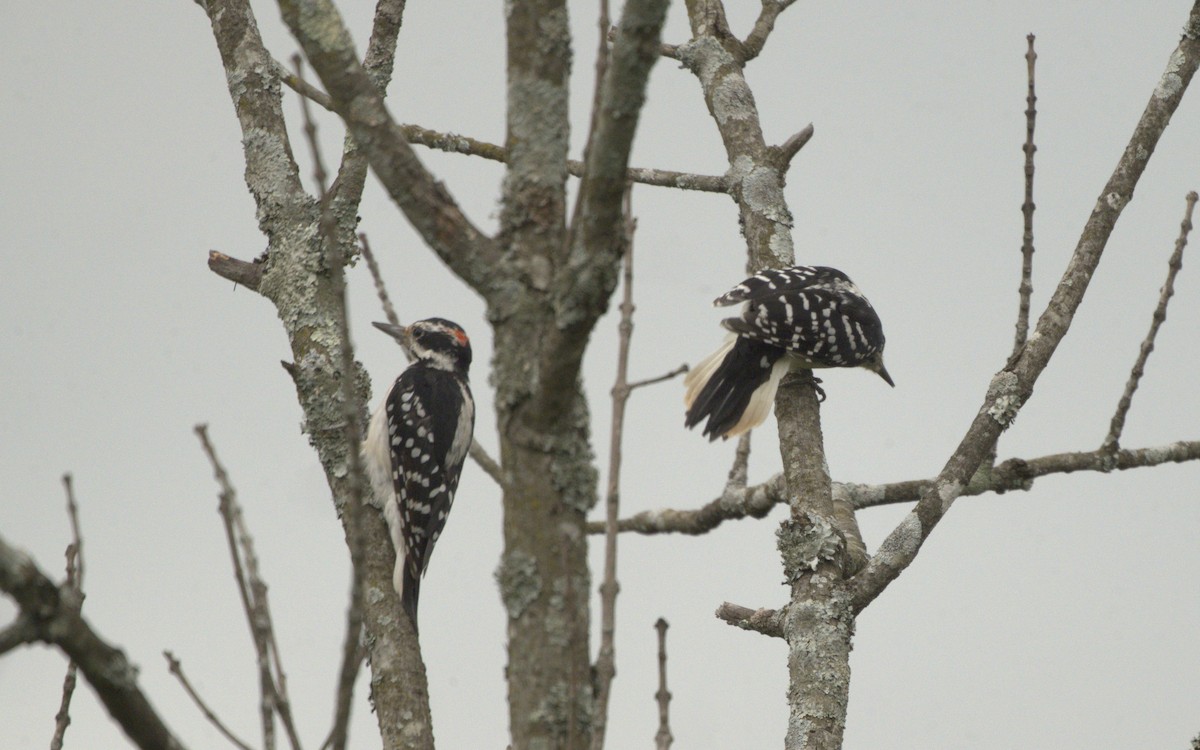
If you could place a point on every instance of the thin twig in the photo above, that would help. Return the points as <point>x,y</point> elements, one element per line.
<point>389,312</point>
<point>739,472</point>
<point>455,143</point>
<point>605,668</point>
<point>1026,288</point>
<point>477,452</point>
<point>176,668</point>
<point>62,719</point>
<point>763,27</point>
<point>75,551</point>
<point>352,416</point>
<point>659,379</point>
<point>302,87</point>
<point>662,738</point>
<point>251,588</point>
<point>353,654</point>
<point>1112,441</point>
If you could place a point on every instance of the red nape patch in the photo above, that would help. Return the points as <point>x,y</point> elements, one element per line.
<point>462,337</point>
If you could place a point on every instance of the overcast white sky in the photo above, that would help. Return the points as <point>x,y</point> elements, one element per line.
<point>1061,617</point>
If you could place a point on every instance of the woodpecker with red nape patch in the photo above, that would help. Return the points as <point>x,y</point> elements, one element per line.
<point>416,444</point>
<point>802,317</point>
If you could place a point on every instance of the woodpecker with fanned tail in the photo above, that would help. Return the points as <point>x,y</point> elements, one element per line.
<point>416,443</point>
<point>802,317</point>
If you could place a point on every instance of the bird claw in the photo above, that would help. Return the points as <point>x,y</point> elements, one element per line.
<point>816,383</point>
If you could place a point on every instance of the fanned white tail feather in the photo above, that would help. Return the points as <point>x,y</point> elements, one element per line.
<point>699,375</point>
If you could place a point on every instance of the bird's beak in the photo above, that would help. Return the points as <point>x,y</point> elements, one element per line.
<point>877,367</point>
<point>402,334</point>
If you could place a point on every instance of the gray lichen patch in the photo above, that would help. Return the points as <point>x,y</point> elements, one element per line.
<point>903,542</point>
<point>762,191</point>
<point>1004,393</point>
<point>807,542</point>
<point>520,583</point>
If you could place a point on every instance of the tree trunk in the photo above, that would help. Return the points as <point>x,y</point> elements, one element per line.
<point>549,486</point>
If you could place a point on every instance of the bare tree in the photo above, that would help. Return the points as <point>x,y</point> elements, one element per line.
<point>547,276</point>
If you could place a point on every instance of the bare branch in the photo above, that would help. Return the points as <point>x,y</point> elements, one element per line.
<point>75,581</point>
<point>248,275</point>
<point>271,172</point>
<point>378,62</point>
<point>380,289</point>
<point>455,143</point>
<point>739,472</point>
<point>296,282</point>
<point>426,203</point>
<point>1014,474</point>
<point>1112,441</point>
<point>769,622</point>
<point>1012,386</point>
<point>352,505</point>
<point>659,379</point>
<point>763,27</point>
<point>714,56</point>
<point>53,613</point>
<point>662,738</point>
<point>175,667</point>
<point>253,592</point>
<point>62,719</point>
<point>583,289</point>
<point>489,465</point>
<point>847,525</point>
<point>1026,288</point>
<point>302,87</point>
<point>75,565</point>
<point>605,666</point>
<point>786,151</point>
<point>353,654</point>
<point>19,632</point>
<point>750,502</point>
<point>460,144</point>
<point>228,507</point>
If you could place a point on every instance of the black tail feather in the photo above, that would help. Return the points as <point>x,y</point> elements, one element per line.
<point>408,597</point>
<point>726,394</point>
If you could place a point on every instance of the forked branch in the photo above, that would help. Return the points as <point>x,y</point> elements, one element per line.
<point>1012,386</point>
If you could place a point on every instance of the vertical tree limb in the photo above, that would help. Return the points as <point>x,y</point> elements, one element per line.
<point>296,282</point>
<point>352,507</point>
<point>605,667</point>
<point>818,622</point>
